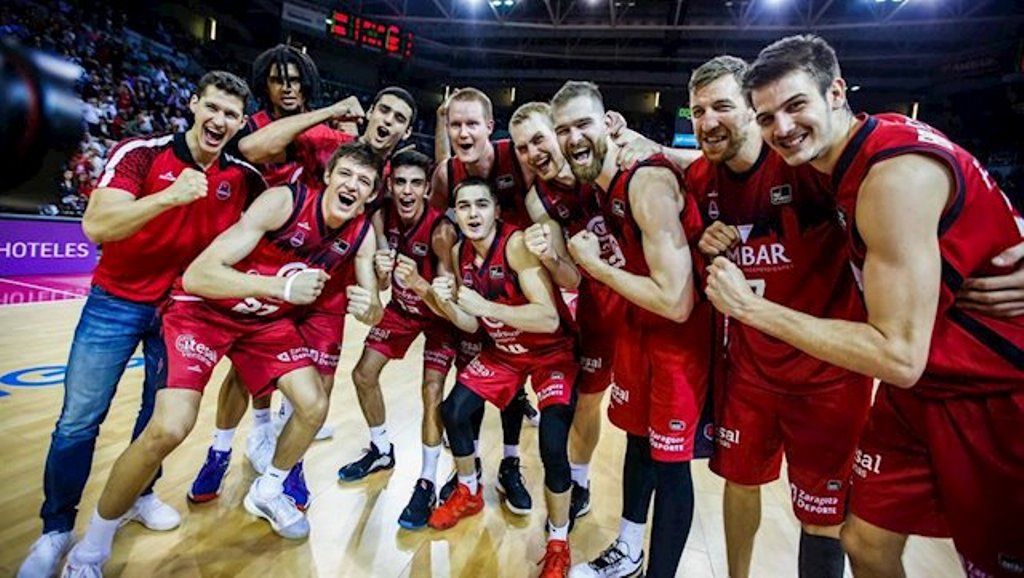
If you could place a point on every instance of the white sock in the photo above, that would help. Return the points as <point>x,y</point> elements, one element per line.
<point>99,536</point>
<point>271,483</point>
<point>470,482</point>
<point>430,456</point>
<point>558,533</point>
<point>632,534</point>
<point>222,439</point>
<point>476,448</point>
<point>580,474</point>
<point>379,438</point>
<point>511,451</point>
<point>286,409</point>
<point>260,417</point>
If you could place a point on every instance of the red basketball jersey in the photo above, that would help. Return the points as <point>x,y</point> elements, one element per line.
<point>791,252</point>
<point>618,215</point>
<point>306,156</point>
<point>304,241</point>
<point>506,178</point>
<point>971,354</point>
<point>414,243</point>
<point>496,280</point>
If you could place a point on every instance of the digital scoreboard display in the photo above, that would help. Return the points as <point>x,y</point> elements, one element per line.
<point>367,33</point>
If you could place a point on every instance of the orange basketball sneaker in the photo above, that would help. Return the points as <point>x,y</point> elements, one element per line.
<point>557,560</point>
<point>461,504</point>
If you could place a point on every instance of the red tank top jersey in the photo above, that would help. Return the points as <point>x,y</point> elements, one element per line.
<point>506,178</point>
<point>306,156</point>
<point>618,215</point>
<point>303,242</point>
<point>575,209</point>
<point>971,354</point>
<point>414,243</point>
<point>497,281</point>
<point>144,266</point>
<point>791,252</point>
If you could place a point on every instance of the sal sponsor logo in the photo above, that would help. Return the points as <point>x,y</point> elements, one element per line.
<point>591,364</point>
<point>619,396</point>
<point>191,348</point>
<point>865,463</point>
<point>726,437</point>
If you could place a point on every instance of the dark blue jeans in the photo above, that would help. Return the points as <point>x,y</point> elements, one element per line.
<point>106,337</point>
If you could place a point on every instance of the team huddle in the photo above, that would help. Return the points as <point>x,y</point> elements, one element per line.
<point>763,281</point>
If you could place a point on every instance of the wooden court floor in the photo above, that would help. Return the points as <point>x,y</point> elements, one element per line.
<point>354,528</point>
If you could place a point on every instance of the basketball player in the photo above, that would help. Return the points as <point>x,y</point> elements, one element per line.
<point>285,81</point>
<point>504,289</point>
<point>941,454</point>
<point>559,205</point>
<point>142,211</point>
<point>299,145</point>
<point>419,240</point>
<point>282,254</point>
<point>776,223</point>
<point>470,122</point>
<point>660,365</point>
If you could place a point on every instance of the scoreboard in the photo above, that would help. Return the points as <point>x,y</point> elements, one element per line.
<point>386,38</point>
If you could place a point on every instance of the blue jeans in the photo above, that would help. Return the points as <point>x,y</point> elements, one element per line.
<point>108,333</point>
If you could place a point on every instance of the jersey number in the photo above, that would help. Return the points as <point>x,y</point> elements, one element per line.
<point>253,306</point>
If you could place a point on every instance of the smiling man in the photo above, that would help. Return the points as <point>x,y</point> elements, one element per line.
<point>941,455</point>
<point>419,240</point>
<point>144,212</point>
<point>240,298</point>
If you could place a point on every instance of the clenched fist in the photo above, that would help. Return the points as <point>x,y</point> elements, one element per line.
<point>384,262</point>
<point>189,186</point>
<point>359,301</point>
<point>472,302</point>
<point>538,240</point>
<point>718,238</point>
<point>406,272</point>
<point>303,287</point>
<point>585,249</point>
<point>348,109</point>
<point>444,287</point>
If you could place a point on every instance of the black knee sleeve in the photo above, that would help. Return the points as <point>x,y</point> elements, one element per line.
<point>820,557</point>
<point>673,516</point>
<point>555,422</point>
<point>512,419</point>
<point>637,479</point>
<point>457,412</point>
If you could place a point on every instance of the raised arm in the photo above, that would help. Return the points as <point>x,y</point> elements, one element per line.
<point>668,291</point>
<point>439,187</point>
<point>364,297</point>
<point>445,287</point>
<point>114,212</point>
<point>212,275</point>
<point>539,315</point>
<point>901,279</point>
<point>270,143</point>
<point>546,241</point>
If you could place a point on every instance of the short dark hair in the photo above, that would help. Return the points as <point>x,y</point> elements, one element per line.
<point>358,151</point>
<point>280,57</point>
<point>401,94</point>
<point>474,182</point>
<point>805,52</point>
<point>411,158</point>
<point>574,88</point>
<point>225,81</point>
<point>716,68</point>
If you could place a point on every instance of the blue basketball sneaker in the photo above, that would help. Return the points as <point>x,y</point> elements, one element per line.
<point>295,487</point>
<point>210,480</point>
